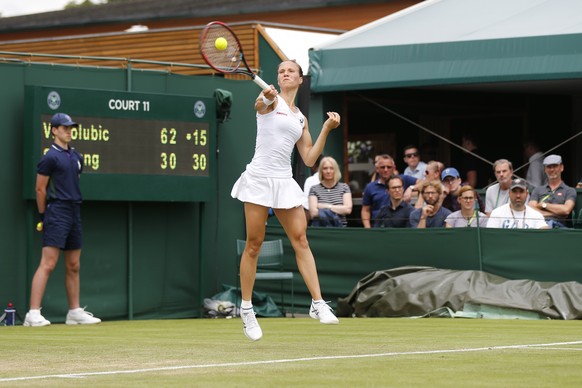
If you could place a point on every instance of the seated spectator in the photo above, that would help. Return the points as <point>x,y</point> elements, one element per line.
<point>516,214</point>
<point>375,195</point>
<point>330,200</point>
<point>579,185</point>
<point>396,213</point>
<point>451,180</point>
<point>432,215</point>
<point>415,166</point>
<point>432,172</point>
<point>555,200</point>
<point>468,216</point>
<point>498,194</point>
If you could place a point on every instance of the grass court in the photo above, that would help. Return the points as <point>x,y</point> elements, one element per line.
<point>359,352</point>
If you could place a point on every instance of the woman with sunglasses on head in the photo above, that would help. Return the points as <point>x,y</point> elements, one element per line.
<point>432,172</point>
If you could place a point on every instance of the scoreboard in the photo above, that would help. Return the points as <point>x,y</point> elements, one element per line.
<point>135,146</point>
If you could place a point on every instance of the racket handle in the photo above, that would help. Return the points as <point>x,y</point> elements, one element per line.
<point>259,81</point>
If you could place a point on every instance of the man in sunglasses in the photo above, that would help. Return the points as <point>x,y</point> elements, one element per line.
<point>416,167</point>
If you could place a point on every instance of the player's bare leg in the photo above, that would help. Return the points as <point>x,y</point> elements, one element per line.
<point>295,225</point>
<point>256,218</point>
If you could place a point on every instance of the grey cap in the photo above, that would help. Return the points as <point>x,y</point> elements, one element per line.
<point>552,159</point>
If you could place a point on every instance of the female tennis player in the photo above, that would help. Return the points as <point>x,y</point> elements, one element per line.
<point>267,183</point>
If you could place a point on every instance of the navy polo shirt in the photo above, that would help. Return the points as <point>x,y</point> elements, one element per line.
<point>63,167</point>
<point>394,218</point>
<point>376,196</point>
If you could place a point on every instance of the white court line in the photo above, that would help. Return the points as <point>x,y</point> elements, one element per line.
<point>282,361</point>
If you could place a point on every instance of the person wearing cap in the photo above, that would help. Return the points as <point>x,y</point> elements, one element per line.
<point>58,198</point>
<point>498,194</point>
<point>452,184</point>
<point>432,215</point>
<point>516,214</point>
<point>555,200</point>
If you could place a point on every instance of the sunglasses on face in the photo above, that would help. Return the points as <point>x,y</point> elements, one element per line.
<point>411,155</point>
<point>386,167</point>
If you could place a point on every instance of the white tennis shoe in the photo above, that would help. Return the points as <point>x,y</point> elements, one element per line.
<point>251,327</point>
<point>79,316</point>
<point>35,319</point>
<point>323,312</point>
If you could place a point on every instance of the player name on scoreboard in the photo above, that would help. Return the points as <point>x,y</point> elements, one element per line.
<point>134,146</point>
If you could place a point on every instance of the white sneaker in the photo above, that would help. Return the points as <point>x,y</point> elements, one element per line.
<point>79,316</point>
<point>323,312</point>
<point>34,319</point>
<point>251,327</point>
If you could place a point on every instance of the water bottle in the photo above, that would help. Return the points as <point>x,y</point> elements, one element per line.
<point>9,314</point>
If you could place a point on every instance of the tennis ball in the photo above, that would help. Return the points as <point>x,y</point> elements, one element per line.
<point>39,226</point>
<point>220,43</point>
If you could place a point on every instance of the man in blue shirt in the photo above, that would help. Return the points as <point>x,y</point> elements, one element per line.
<point>375,195</point>
<point>58,198</point>
<point>397,212</point>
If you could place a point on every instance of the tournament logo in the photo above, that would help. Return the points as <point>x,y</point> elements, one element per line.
<point>54,100</point>
<point>199,109</point>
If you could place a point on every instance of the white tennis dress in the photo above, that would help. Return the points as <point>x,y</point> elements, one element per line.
<point>268,178</point>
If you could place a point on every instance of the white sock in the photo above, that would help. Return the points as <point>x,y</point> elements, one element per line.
<point>318,301</point>
<point>246,304</point>
<point>34,311</point>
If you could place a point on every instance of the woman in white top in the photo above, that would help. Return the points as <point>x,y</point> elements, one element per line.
<point>268,183</point>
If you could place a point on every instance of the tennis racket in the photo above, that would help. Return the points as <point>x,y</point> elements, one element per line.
<point>222,50</point>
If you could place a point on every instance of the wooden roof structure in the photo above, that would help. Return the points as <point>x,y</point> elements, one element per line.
<point>173,50</point>
<point>121,15</point>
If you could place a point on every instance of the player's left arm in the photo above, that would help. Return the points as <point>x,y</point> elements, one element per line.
<point>310,151</point>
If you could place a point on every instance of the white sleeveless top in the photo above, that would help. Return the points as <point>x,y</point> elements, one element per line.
<point>277,133</point>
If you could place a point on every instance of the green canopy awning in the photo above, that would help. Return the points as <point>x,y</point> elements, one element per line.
<point>443,42</point>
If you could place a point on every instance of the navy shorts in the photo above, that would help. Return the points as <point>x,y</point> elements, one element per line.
<point>62,225</point>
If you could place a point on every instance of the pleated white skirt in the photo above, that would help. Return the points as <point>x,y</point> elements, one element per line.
<point>277,193</point>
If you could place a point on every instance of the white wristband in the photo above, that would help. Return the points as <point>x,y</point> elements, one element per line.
<point>266,101</point>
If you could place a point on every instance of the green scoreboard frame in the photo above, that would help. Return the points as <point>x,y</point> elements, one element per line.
<point>135,146</point>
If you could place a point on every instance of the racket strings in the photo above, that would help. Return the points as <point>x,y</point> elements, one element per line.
<point>227,60</point>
